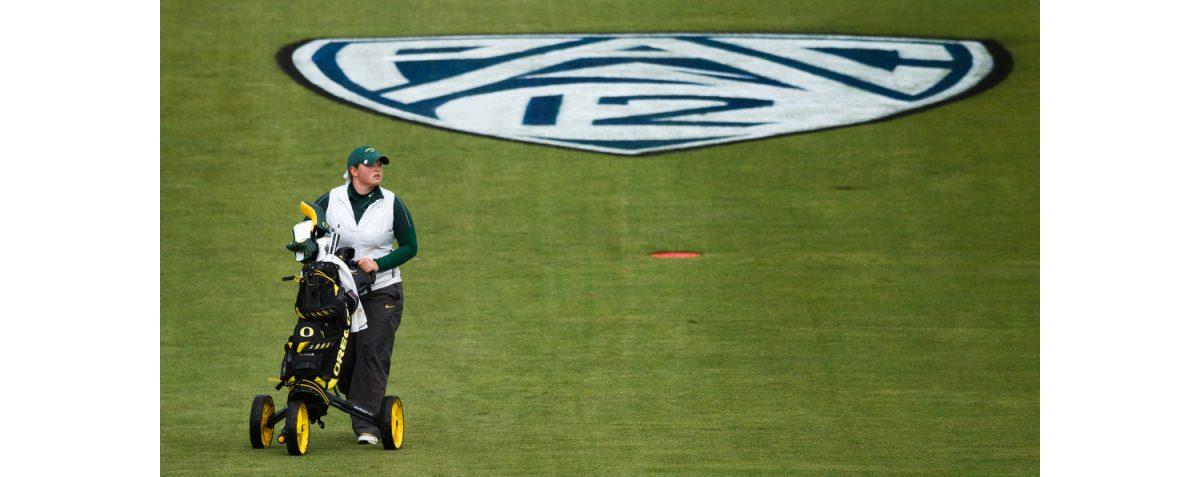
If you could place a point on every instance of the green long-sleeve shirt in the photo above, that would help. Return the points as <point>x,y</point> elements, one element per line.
<point>402,225</point>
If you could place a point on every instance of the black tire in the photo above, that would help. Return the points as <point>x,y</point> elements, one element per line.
<point>261,432</point>
<point>297,427</point>
<point>391,423</point>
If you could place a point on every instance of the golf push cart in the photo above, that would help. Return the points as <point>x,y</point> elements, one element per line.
<point>329,293</point>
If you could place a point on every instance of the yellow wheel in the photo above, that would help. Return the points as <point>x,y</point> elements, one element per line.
<point>297,428</point>
<point>391,423</point>
<point>261,432</point>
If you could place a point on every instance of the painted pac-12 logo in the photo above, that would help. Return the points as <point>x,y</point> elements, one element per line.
<point>635,94</point>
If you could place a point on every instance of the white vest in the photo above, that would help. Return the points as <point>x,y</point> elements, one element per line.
<point>371,236</point>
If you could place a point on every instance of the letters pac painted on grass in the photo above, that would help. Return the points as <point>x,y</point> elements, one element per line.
<point>634,94</point>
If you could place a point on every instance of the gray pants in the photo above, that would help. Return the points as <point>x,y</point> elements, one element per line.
<point>369,353</point>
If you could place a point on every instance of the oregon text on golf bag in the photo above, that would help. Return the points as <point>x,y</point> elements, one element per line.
<point>314,353</point>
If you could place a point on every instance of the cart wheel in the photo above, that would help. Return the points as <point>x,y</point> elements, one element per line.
<point>296,428</point>
<point>391,423</point>
<point>261,432</point>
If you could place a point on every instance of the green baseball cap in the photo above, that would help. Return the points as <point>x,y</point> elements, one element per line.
<point>365,155</point>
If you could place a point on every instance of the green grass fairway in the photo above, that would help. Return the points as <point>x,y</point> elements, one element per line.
<point>867,302</point>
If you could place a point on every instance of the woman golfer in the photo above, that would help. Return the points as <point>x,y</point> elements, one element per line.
<point>368,217</point>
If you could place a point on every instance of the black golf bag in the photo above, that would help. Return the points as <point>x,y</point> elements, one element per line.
<point>312,360</point>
